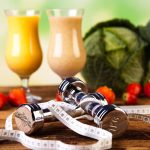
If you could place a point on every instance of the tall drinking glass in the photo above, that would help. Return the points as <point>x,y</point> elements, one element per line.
<point>66,53</point>
<point>23,53</point>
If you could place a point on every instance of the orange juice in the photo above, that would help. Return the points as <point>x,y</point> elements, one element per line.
<point>23,53</point>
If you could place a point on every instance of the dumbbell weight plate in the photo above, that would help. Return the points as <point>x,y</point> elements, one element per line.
<point>71,81</point>
<point>116,122</point>
<point>29,119</point>
<point>99,97</point>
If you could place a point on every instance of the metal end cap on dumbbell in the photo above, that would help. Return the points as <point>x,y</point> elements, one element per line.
<point>80,85</point>
<point>29,118</point>
<point>116,122</point>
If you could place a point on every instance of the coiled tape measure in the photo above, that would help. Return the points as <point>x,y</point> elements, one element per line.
<point>104,137</point>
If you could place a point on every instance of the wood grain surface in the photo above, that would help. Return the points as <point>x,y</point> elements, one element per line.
<point>137,137</point>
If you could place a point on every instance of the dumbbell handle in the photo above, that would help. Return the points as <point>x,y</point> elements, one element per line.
<point>70,109</point>
<point>89,103</point>
<point>48,116</point>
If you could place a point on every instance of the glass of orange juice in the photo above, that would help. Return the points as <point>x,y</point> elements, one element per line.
<point>23,52</point>
<point>66,53</point>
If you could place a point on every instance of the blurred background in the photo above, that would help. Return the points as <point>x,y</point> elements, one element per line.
<point>137,11</point>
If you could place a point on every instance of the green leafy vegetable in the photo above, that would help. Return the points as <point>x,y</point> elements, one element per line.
<point>115,55</point>
<point>145,34</point>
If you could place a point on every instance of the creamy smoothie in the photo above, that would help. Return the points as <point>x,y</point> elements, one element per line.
<point>66,54</point>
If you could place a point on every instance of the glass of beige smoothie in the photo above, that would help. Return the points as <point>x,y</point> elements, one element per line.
<point>66,53</point>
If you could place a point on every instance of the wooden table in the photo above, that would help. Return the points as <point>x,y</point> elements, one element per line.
<point>137,136</point>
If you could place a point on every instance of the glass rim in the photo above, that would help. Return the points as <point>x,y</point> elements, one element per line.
<point>65,12</point>
<point>21,12</point>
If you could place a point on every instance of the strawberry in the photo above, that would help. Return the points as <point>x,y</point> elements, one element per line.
<point>108,94</point>
<point>3,100</point>
<point>134,88</point>
<point>147,89</point>
<point>17,97</point>
<point>130,99</point>
<point>58,96</point>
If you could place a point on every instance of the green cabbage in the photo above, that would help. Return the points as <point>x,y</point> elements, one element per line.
<point>145,34</point>
<point>115,55</point>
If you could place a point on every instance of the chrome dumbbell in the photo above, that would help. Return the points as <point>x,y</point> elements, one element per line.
<point>30,118</point>
<point>112,117</point>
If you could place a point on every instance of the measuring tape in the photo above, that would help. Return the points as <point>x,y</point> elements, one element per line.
<point>138,112</point>
<point>104,137</point>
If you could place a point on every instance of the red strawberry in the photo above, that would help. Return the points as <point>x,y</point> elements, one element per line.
<point>130,99</point>
<point>147,89</point>
<point>134,88</point>
<point>3,100</point>
<point>58,96</point>
<point>17,97</point>
<point>108,93</point>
